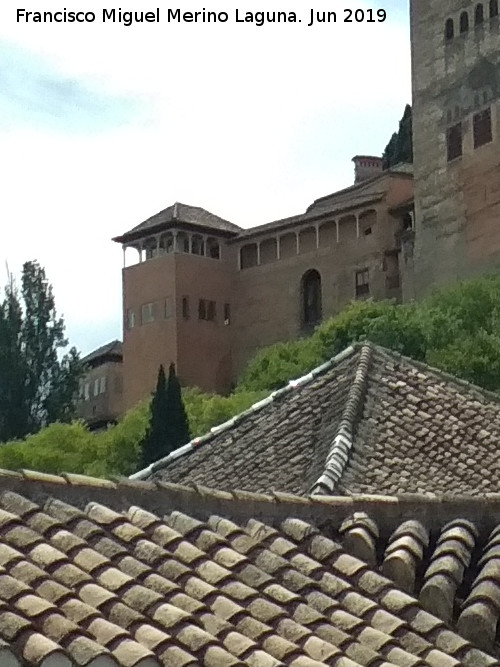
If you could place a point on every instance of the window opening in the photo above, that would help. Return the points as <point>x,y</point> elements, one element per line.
<point>454,142</point>
<point>481,124</point>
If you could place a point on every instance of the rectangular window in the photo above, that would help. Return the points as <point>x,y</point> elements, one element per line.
<point>185,307</point>
<point>130,319</point>
<point>362,282</point>
<point>211,311</point>
<point>147,313</point>
<point>86,391</point>
<point>227,314</point>
<point>454,141</point>
<point>168,307</point>
<point>481,124</point>
<point>102,385</point>
<point>202,309</point>
<point>96,387</point>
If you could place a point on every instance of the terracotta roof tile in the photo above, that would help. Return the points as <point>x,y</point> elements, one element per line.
<point>175,583</point>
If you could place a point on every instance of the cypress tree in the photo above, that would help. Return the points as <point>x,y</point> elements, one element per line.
<point>168,425</point>
<point>400,146</point>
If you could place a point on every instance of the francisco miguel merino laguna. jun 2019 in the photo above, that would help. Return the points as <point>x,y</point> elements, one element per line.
<point>310,17</point>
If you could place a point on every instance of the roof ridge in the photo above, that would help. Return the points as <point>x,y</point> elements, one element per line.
<point>338,456</point>
<point>216,430</point>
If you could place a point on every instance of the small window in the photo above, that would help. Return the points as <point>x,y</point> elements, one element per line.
<point>449,30</point>
<point>168,307</point>
<point>227,314</point>
<point>202,309</point>
<point>96,387</point>
<point>211,311</point>
<point>86,391</point>
<point>197,245</point>
<point>102,385</point>
<point>213,248</point>
<point>464,22</point>
<point>454,142</point>
<point>185,307</point>
<point>493,8</point>
<point>147,313</point>
<point>481,124</point>
<point>362,282</point>
<point>130,319</point>
<point>478,14</point>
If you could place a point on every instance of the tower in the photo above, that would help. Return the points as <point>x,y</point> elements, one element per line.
<point>177,300</point>
<point>456,140</point>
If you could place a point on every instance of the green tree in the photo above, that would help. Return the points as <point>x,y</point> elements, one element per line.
<point>168,427</point>
<point>37,384</point>
<point>400,146</point>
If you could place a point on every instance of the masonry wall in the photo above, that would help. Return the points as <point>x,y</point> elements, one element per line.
<point>200,349</point>
<point>457,203</point>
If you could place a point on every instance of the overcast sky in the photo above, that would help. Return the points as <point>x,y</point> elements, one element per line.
<point>103,125</point>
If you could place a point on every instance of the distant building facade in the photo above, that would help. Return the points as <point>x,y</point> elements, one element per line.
<point>456,142</point>
<point>100,399</point>
<point>207,294</point>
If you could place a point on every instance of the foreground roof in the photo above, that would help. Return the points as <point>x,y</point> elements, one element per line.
<point>368,421</point>
<point>100,573</point>
<point>179,213</point>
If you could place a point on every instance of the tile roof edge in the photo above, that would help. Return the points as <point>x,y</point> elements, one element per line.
<point>432,510</point>
<point>338,455</point>
<point>216,430</point>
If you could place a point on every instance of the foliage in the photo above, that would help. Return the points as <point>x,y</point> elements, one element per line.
<point>400,146</point>
<point>207,410</point>
<point>36,385</point>
<point>117,450</point>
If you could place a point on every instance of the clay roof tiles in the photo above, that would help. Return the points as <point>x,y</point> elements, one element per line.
<point>368,421</point>
<point>177,214</point>
<point>141,574</point>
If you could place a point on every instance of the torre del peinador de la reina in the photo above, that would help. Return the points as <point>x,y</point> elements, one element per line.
<point>207,294</point>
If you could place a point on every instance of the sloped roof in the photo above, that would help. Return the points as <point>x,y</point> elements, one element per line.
<point>112,349</point>
<point>368,421</point>
<point>179,213</point>
<point>100,573</point>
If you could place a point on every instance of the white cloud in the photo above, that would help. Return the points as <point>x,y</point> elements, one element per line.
<point>250,123</point>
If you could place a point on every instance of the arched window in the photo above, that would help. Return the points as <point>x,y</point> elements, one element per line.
<point>493,8</point>
<point>449,30</point>
<point>478,14</point>
<point>464,22</point>
<point>311,298</point>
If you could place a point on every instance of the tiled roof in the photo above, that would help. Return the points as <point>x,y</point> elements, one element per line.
<point>180,213</point>
<point>369,421</point>
<point>100,573</point>
<point>113,349</point>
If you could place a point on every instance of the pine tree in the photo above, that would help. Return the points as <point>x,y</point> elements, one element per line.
<point>168,426</point>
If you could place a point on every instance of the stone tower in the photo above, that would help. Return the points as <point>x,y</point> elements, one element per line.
<point>456,129</point>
